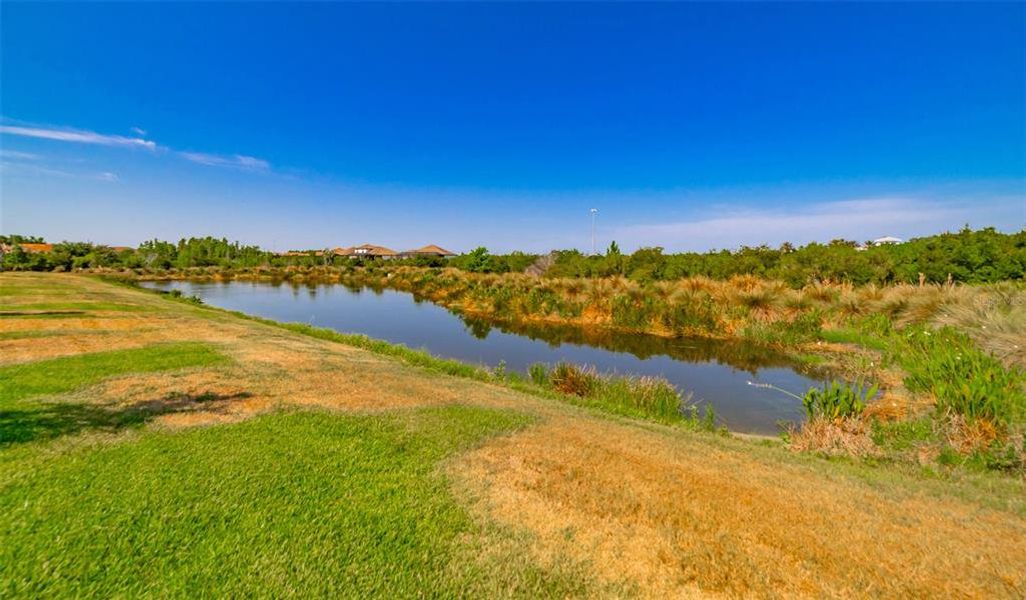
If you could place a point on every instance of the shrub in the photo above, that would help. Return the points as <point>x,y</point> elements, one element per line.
<point>837,400</point>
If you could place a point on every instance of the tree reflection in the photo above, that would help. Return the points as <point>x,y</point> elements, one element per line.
<point>740,355</point>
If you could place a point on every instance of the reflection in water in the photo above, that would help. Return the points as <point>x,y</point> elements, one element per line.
<point>713,372</point>
<point>739,355</point>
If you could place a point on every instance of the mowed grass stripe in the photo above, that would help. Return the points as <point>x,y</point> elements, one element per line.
<point>12,307</point>
<point>58,375</point>
<point>309,502</point>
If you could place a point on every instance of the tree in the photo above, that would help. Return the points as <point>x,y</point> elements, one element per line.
<point>478,261</point>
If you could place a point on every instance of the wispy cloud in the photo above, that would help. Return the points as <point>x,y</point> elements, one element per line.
<point>236,161</point>
<point>35,169</point>
<point>77,136</point>
<point>80,136</point>
<point>859,220</point>
<point>15,155</point>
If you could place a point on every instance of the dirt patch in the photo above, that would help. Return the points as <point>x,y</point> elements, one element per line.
<point>674,519</point>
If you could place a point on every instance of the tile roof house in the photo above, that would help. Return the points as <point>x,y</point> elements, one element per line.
<point>367,251</point>
<point>429,250</point>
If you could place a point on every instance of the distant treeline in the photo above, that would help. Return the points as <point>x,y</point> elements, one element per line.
<point>154,254</point>
<point>983,256</point>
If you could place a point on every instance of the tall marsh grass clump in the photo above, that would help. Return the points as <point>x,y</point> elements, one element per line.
<point>994,317</point>
<point>648,397</point>
<point>572,380</point>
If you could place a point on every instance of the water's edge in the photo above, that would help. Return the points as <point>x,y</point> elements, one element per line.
<point>716,372</point>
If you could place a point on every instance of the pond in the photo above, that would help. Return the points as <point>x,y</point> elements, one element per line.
<point>715,372</point>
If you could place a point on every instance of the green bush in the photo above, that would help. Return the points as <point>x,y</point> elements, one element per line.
<point>837,400</point>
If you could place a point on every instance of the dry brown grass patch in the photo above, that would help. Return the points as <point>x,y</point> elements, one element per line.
<point>188,398</point>
<point>968,436</point>
<point>99,333</point>
<point>840,437</point>
<point>677,518</point>
<point>891,406</point>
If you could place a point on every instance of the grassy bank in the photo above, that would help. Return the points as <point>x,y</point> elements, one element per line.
<point>649,398</point>
<point>191,452</point>
<point>949,359</point>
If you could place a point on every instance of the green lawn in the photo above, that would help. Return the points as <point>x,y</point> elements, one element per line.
<point>295,503</point>
<point>26,415</point>
<point>53,376</point>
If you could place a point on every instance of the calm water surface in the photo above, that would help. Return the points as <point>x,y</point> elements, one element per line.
<point>713,372</point>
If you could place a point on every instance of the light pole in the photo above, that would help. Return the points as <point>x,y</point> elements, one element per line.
<point>594,212</point>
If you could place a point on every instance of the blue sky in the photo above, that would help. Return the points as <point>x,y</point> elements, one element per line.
<point>689,126</point>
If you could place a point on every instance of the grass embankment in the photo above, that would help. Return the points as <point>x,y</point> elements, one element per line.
<point>279,463</point>
<point>649,398</point>
<point>949,359</point>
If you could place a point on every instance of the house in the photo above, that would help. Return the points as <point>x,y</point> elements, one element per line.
<point>367,251</point>
<point>430,250</point>
<point>36,248</point>
<point>879,242</point>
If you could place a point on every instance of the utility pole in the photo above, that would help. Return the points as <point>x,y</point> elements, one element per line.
<point>594,211</point>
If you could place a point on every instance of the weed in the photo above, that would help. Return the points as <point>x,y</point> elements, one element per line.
<point>539,374</point>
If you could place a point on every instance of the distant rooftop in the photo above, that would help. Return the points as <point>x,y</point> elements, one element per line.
<point>431,249</point>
